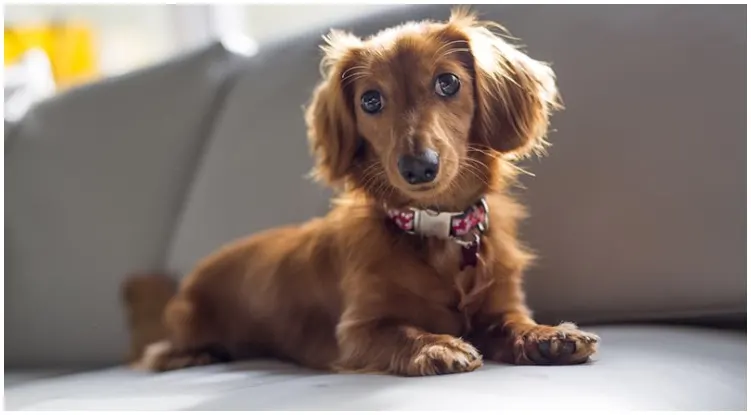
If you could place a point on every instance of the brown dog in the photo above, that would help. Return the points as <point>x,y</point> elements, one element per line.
<point>417,269</point>
<point>144,297</point>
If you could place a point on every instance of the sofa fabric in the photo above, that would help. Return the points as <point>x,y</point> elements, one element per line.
<point>95,179</point>
<point>253,174</point>
<point>640,368</point>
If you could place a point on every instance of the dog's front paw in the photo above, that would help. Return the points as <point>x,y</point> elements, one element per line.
<point>443,355</point>
<point>564,344</point>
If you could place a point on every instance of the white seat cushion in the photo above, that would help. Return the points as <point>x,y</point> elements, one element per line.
<point>658,368</point>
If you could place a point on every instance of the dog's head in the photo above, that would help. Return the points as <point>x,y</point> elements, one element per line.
<point>425,113</point>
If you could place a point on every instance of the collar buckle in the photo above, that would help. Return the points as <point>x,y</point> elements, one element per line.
<point>433,223</point>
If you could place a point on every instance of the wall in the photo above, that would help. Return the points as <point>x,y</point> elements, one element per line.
<point>266,22</point>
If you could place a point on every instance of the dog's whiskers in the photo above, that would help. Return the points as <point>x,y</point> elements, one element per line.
<point>375,180</point>
<point>455,50</point>
<point>476,172</point>
<point>353,77</point>
<point>447,53</point>
<point>352,69</point>
<point>521,170</point>
<point>468,165</point>
<point>371,174</point>
<point>501,159</point>
<point>445,45</point>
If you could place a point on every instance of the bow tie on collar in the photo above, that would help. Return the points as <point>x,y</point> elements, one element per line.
<point>447,225</point>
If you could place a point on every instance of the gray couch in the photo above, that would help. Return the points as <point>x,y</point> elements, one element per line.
<point>638,214</point>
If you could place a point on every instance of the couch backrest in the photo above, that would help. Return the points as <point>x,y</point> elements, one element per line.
<point>637,212</point>
<point>95,181</point>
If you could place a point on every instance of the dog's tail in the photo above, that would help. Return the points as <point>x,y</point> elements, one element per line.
<point>144,297</point>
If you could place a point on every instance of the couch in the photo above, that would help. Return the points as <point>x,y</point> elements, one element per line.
<point>638,215</point>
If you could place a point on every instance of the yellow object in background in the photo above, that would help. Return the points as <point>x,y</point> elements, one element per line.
<point>70,47</point>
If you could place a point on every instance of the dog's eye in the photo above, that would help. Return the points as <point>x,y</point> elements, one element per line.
<point>447,85</point>
<point>371,102</point>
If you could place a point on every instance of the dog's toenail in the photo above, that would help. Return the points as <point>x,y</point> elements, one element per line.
<point>442,366</point>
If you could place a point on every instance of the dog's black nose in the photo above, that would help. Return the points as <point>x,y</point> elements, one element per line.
<point>420,168</point>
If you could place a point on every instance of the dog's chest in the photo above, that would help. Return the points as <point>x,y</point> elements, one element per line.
<point>463,288</point>
<point>445,259</point>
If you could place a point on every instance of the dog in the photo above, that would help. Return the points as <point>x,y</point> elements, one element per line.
<point>145,297</point>
<point>417,268</point>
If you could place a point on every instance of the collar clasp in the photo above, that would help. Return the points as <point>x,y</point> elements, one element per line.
<point>433,223</point>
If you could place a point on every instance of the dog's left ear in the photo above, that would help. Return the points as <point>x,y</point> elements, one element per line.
<point>515,94</point>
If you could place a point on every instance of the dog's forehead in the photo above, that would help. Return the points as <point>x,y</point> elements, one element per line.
<point>412,48</point>
<point>392,35</point>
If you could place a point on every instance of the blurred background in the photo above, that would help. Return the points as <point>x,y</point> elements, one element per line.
<point>52,47</point>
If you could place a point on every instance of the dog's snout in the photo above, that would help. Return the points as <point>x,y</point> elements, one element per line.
<point>420,168</point>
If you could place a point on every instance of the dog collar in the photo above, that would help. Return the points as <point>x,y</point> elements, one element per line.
<point>447,225</point>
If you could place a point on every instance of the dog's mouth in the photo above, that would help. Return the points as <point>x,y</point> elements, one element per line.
<point>420,193</point>
<point>424,187</point>
<point>426,190</point>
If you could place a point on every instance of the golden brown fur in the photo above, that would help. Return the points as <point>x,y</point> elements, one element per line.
<point>144,297</point>
<point>348,291</point>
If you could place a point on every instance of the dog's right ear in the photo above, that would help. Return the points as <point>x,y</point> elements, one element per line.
<point>330,118</point>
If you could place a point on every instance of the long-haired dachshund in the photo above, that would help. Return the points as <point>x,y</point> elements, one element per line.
<point>417,268</point>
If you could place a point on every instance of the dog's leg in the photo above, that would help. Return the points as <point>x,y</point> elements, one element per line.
<point>163,356</point>
<point>191,340</point>
<point>390,347</point>
<point>145,297</point>
<point>510,335</point>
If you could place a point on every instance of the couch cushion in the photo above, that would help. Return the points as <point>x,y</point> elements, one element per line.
<point>637,212</point>
<point>94,180</point>
<point>639,368</point>
<point>17,377</point>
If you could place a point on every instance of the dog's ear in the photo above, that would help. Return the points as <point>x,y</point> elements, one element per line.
<point>515,94</point>
<point>330,118</point>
